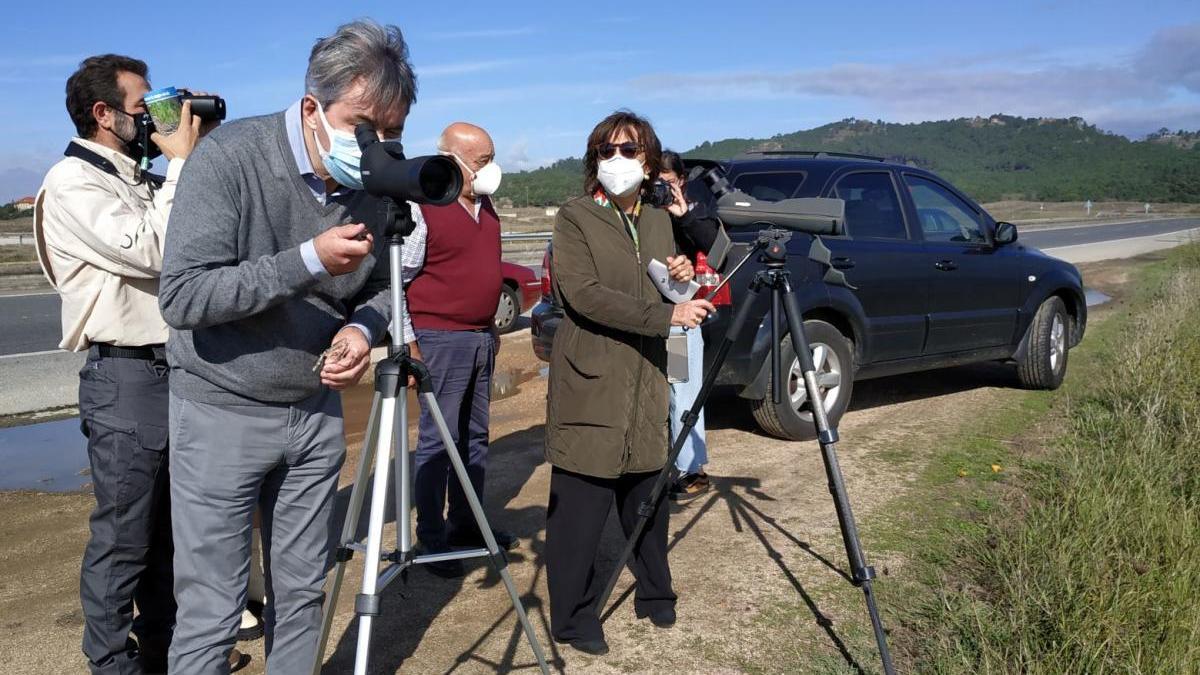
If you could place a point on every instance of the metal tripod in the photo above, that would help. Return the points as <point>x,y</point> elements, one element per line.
<point>387,440</point>
<point>772,243</point>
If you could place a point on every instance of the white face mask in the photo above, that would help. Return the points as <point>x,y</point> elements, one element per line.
<point>620,176</point>
<point>486,180</point>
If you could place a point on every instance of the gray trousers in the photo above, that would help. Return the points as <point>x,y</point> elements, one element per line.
<point>225,459</point>
<point>123,412</point>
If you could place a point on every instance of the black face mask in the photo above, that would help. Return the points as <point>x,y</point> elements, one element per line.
<point>140,147</point>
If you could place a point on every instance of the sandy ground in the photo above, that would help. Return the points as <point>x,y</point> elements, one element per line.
<point>759,550</point>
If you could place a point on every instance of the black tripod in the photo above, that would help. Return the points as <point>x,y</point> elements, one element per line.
<point>772,244</point>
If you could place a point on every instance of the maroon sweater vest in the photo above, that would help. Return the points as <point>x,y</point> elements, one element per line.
<point>458,288</point>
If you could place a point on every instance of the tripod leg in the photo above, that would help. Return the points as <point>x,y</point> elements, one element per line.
<point>349,529</point>
<point>403,468</point>
<point>498,558</point>
<point>827,437</point>
<point>647,508</point>
<point>366,604</point>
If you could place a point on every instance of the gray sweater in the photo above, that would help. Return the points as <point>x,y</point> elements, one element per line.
<point>248,320</point>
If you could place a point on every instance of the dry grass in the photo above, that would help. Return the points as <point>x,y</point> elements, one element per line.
<point>1021,211</point>
<point>23,225</point>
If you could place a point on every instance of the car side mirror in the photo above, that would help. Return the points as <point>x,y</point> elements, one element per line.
<point>1006,233</point>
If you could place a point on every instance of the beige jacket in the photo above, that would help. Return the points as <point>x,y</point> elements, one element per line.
<point>100,241</point>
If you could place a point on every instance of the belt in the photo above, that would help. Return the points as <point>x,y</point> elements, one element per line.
<point>146,353</point>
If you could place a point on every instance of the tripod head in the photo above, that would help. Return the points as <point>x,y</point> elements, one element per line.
<point>773,244</point>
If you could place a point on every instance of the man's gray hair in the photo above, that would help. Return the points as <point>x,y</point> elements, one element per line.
<point>362,50</point>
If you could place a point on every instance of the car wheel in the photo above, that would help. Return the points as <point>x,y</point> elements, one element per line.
<point>1044,364</point>
<point>508,310</point>
<point>833,357</point>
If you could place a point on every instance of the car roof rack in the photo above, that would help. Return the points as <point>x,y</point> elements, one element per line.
<point>813,153</point>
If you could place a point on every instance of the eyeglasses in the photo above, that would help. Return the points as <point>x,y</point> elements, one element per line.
<point>629,150</point>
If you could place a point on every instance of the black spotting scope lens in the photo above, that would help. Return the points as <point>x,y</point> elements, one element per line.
<point>386,172</point>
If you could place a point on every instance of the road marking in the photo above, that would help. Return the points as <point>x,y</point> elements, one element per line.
<point>27,295</point>
<point>48,351</point>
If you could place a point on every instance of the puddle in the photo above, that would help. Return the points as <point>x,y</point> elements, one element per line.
<point>51,457</point>
<point>1094,297</point>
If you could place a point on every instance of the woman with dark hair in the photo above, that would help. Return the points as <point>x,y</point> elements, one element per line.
<point>696,227</point>
<point>607,409</point>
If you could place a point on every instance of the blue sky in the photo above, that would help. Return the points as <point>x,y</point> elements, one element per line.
<point>539,75</point>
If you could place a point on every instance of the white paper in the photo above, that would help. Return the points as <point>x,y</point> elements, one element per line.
<point>675,291</point>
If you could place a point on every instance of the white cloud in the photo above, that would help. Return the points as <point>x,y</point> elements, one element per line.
<point>483,33</point>
<point>1164,74</point>
<point>466,67</point>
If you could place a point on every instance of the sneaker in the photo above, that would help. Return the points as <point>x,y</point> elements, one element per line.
<point>252,627</point>
<point>689,486</point>
<point>472,539</point>
<point>237,660</point>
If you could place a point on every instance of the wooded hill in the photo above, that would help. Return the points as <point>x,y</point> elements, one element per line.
<point>994,158</point>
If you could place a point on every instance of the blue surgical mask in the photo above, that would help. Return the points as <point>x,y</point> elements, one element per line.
<point>343,157</point>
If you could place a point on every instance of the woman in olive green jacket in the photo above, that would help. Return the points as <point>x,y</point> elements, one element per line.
<point>606,421</point>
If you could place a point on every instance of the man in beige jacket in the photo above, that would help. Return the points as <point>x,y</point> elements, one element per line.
<point>99,224</point>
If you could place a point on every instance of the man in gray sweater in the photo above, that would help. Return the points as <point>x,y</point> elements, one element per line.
<point>273,255</point>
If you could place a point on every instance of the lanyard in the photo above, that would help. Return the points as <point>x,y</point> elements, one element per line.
<point>631,223</point>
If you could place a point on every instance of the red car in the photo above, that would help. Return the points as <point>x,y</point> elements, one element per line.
<point>521,290</point>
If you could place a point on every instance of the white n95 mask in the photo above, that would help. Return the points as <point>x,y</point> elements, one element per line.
<point>486,180</point>
<point>620,176</point>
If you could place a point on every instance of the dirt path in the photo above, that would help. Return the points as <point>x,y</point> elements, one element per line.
<point>756,562</point>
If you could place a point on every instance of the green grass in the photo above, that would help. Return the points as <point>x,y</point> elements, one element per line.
<point>1082,555</point>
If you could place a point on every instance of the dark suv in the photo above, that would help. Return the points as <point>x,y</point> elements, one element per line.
<point>937,283</point>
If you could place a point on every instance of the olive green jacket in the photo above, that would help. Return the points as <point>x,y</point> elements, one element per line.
<point>608,395</point>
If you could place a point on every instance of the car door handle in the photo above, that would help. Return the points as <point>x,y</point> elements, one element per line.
<point>946,265</point>
<point>842,263</point>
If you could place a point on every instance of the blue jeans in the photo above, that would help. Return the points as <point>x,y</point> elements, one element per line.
<point>694,453</point>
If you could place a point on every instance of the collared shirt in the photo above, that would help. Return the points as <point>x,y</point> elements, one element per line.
<point>308,250</point>
<point>295,132</point>
<point>100,241</point>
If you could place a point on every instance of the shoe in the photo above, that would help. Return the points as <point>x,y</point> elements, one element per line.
<point>689,486</point>
<point>238,660</point>
<point>595,647</point>
<point>252,627</point>
<point>472,539</point>
<point>446,569</point>
<point>663,618</point>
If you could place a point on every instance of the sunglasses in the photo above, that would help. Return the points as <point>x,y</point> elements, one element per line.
<point>629,150</point>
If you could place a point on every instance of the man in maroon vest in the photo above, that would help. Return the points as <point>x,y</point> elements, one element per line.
<point>452,304</point>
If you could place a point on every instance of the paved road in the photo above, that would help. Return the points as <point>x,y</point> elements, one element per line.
<point>1091,234</point>
<point>31,322</point>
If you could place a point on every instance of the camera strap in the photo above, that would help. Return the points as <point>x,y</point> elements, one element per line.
<point>79,152</point>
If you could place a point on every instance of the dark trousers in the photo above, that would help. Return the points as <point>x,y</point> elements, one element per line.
<point>575,520</point>
<point>460,368</point>
<point>123,412</point>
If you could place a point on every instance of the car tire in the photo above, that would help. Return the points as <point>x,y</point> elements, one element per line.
<point>508,309</point>
<point>792,418</point>
<point>1044,364</point>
